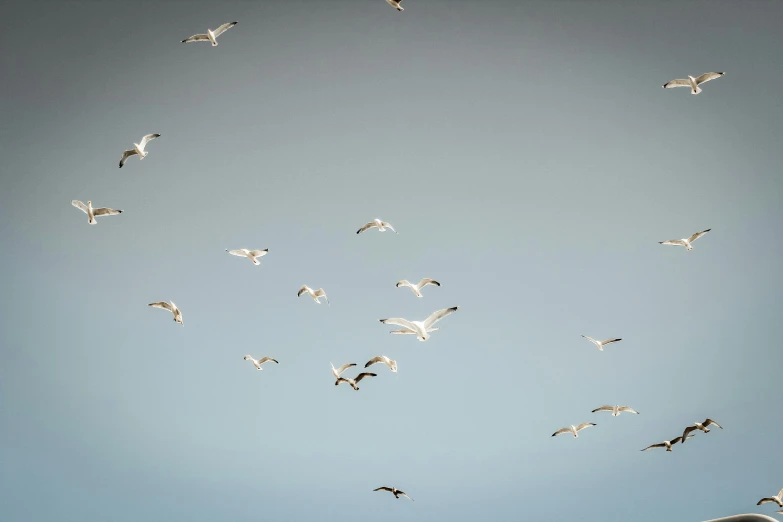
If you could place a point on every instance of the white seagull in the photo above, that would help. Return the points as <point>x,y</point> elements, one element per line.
<point>421,328</point>
<point>259,362</point>
<point>778,499</point>
<point>138,148</point>
<point>391,363</point>
<point>700,426</point>
<point>417,287</point>
<point>356,379</point>
<point>616,410</point>
<point>382,226</point>
<point>666,444</point>
<point>601,344</point>
<point>574,429</point>
<point>315,294</point>
<point>396,492</point>
<point>92,212</point>
<point>692,82</point>
<point>250,254</point>
<point>685,242</point>
<point>337,371</point>
<point>211,35</point>
<point>396,4</point>
<point>171,308</point>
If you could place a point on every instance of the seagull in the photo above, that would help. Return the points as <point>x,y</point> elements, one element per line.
<point>314,294</point>
<point>92,212</point>
<point>692,82</point>
<point>700,426</point>
<point>417,288</point>
<point>391,363</point>
<point>396,492</point>
<point>616,410</point>
<point>601,344</point>
<point>574,429</point>
<point>685,242</point>
<point>396,4</point>
<point>138,148</point>
<point>171,308</point>
<point>356,379</point>
<point>666,444</point>
<point>262,360</point>
<point>778,499</point>
<point>382,226</point>
<point>250,254</point>
<point>341,369</point>
<point>421,328</point>
<point>211,36</point>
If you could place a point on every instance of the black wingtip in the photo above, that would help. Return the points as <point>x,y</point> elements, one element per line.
<point>381,320</point>
<point>120,211</point>
<point>120,164</point>
<point>183,41</point>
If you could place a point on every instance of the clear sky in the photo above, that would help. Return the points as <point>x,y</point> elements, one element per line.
<point>530,160</point>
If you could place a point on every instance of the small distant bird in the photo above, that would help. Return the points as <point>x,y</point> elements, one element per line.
<point>171,308</point>
<point>685,242</point>
<point>417,288</point>
<point>211,36</point>
<point>391,363</point>
<point>314,294</point>
<point>250,254</point>
<point>138,148</point>
<point>574,429</point>
<point>692,82</point>
<point>92,212</point>
<point>700,426</point>
<point>396,492</point>
<point>601,344</point>
<point>355,380</point>
<point>666,444</point>
<point>616,410</point>
<point>337,371</point>
<point>421,328</point>
<point>382,226</point>
<point>778,499</point>
<point>262,360</point>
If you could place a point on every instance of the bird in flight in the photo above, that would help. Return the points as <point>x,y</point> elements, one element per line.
<point>601,344</point>
<point>396,492</point>
<point>252,255</point>
<point>685,242</point>
<point>211,35</point>
<point>315,294</point>
<point>337,371</point>
<point>138,148</point>
<point>417,287</point>
<point>692,82</point>
<point>616,410</point>
<point>778,499</point>
<point>574,429</point>
<point>259,362</point>
<point>171,308</point>
<point>355,380</point>
<point>93,212</point>
<point>391,363</point>
<point>700,426</point>
<point>666,444</point>
<point>382,226</point>
<point>420,328</point>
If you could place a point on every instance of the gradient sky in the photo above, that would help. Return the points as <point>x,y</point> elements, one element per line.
<point>531,162</point>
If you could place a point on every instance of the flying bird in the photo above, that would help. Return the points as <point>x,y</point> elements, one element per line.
<point>666,444</point>
<point>685,242</point>
<point>700,426</point>
<point>778,499</point>
<point>211,36</point>
<point>417,287</point>
<point>337,371</point>
<point>314,294</point>
<point>692,82</point>
<point>391,363</point>
<point>259,362</point>
<point>93,212</point>
<point>421,328</point>
<point>396,492</point>
<point>574,429</point>
<point>382,226</point>
<point>171,308</point>
<point>601,344</point>
<point>138,148</point>
<point>252,255</point>
<point>615,410</point>
<point>355,380</point>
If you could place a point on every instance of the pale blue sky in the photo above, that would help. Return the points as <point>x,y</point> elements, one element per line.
<point>531,162</point>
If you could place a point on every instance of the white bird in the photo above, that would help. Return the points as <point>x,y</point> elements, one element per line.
<point>355,380</point>
<point>211,35</point>
<point>391,363</point>
<point>250,254</point>
<point>778,499</point>
<point>259,362</point>
<point>93,212</point>
<point>382,226</point>
<point>417,287</point>
<point>615,410</point>
<point>396,4</point>
<point>601,344</point>
<point>666,444</point>
<point>700,426</point>
<point>692,82</point>
<point>685,242</point>
<point>396,492</point>
<point>171,308</point>
<point>420,328</point>
<point>314,294</point>
<point>337,371</point>
<point>138,148</point>
<point>574,429</point>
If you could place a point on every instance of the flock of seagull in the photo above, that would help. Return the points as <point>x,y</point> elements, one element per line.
<point>423,328</point>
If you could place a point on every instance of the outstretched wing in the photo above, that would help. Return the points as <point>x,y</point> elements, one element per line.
<point>266,359</point>
<point>678,242</point>
<point>697,235</point>
<point>223,28</point>
<point>105,212</point>
<point>146,139</point>
<point>365,227</point>
<point>78,204</point>
<point>765,501</point>
<point>374,360</point>
<point>562,430</point>
<point>125,155</point>
<point>383,488</point>
<point>196,38</point>
<point>238,252</point>
<point>628,409</point>
<point>363,375</point>
<point>259,253</point>
<point>604,408</point>
<point>686,432</point>
<point>610,341</point>
<point>437,316</point>
<point>708,76</point>
<point>405,331</point>
<point>388,225</point>
<point>302,290</point>
<point>677,83</point>
<point>585,425</point>
<point>659,445</point>
<point>163,305</point>
<point>426,281</point>
<point>344,367</point>
<point>709,422</point>
<point>402,492</point>
<point>400,322</point>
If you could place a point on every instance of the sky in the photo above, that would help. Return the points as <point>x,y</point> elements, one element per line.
<point>530,161</point>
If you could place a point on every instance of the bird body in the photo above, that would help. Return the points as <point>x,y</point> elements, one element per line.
<point>615,410</point>
<point>396,4</point>
<point>692,82</point>
<point>315,294</point>
<point>686,242</point>
<point>355,380</point>
<point>259,362</point>
<point>417,287</point>
<point>574,430</point>
<point>666,444</point>
<point>420,328</point>
<point>381,225</point>
<point>252,255</point>
<point>171,308</point>
<point>396,492</point>
<point>601,344</point>
<point>210,36</point>
<point>700,426</point>
<point>138,149</point>
<point>92,212</point>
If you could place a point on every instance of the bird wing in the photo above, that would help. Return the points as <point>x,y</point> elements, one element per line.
<point>404,331</point>
<point>659,445</point>
<point>765,500</point>
<point>266,359</point>
<point>302,290</point>
<point>78,204</point>
<point>677,83</point>
<point>426,281</point>
<point>780,494</point>
<point>344,367</point>
<point>196,38</point>
<point>628,409</point>
<point>374,360</point>
<point>388,225</point>
<point>708,76</point>
<point>686,432</point>
<point>363,375</point>
<point>697,235</point>
<point>146,139</point>
<point>562,430</point>
<point>679,242</point>
<point>125,155</point>
<point>365,227</point>
<point>710,421</point>
<point>341,379</point>
<point>223,28</point>
<point>238,252</point>
<point>163,305</point>
<point>437,316</point>
<point>402,492</point>
<point>383,488</point>
<point>591,340</point>
<point>259,253</point>
<point>584,425</point>
<point>604,408</point>
<point>105,212</point>
<point>610,341</point>
<point>400,322</point>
